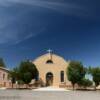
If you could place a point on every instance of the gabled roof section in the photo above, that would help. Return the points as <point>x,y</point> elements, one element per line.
<point>47,54</point>
<point>5,69</point>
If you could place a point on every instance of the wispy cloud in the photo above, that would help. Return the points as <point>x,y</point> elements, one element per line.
<point>31,35</point>
<point>11,25</point>
<point>67,8</point>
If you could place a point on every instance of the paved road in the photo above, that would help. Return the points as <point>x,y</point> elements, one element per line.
<point>46,95</point>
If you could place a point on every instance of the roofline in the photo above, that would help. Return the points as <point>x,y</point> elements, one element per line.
<point>5,69</point>
<point>47,54</point>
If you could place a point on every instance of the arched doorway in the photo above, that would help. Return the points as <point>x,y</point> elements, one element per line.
<point>49,79</point>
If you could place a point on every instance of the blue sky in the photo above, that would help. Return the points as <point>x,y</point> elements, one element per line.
<point>71,28</point>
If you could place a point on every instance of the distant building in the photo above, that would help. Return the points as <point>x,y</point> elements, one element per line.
<point>4,77</point>
<point>52,70</point>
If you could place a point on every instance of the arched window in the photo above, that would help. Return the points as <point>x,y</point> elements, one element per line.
<point>62,76</point>
<point>49,62</point>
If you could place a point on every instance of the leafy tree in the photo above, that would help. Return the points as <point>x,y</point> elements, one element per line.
<point>14,75</point>
<point>2,64</point>
<point>75,72</point>
<point>27,71</point>
<point>24,73</point>
<point>27,66</point>
<point>85,83</point>
<point>95,72</point>
<point>27,77</point>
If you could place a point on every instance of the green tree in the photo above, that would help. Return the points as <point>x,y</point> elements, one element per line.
<point>27,72</point>
<point>14,75</point>
<point>95,72</point>
<point>2,64</point>
<point>85,83</point>
<point>75,72</point>
<point>24,73</point>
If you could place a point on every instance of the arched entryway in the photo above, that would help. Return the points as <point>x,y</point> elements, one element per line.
<point>49,79</point>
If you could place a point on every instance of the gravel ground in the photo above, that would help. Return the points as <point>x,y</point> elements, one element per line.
<point>48,95</point>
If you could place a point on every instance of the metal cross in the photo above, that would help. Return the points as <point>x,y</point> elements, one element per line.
<point>50,51</point>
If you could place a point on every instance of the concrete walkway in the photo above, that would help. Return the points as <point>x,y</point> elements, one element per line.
<point>50,89</point>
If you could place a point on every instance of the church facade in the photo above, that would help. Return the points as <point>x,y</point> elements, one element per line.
<point>52,70</point>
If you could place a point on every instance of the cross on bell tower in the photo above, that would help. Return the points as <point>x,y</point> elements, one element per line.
<point>50,53</point>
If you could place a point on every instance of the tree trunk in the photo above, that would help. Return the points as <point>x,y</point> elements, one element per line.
<point>12,85</point>
<point>26,86</point>
<point>95,87</point>
<point>18,86</point>
<point>73,86</point>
